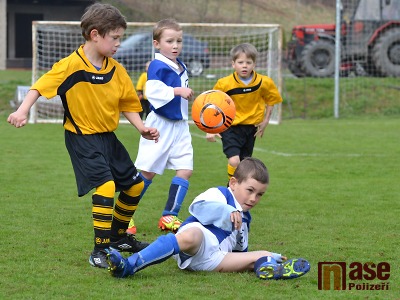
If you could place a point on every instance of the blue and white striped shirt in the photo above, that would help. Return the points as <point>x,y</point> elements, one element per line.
<point>163,76</point>
<point>213,209</point>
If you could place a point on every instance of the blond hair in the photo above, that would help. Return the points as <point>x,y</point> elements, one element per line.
<point>160,26</point>
<point>248,49</point>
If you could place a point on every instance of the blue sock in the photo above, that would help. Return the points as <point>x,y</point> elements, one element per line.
<point>262,260</point>
<point>146,185</point>
<point>161,249</point>
<point>177,193</point>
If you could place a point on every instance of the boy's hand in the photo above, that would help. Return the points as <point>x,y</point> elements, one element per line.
<point>211,137</point>
<point>260,129</point>
<point>151,134</point>
<point>186,93</point>
<point>17,119</point>
<point>236,218</point>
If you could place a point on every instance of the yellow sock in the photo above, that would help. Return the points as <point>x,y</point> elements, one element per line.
<point>124,209</point>
<point>231,170</point>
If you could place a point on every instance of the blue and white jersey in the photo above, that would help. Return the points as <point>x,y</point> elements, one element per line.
<point>163,76</point>
<point>213,209</point>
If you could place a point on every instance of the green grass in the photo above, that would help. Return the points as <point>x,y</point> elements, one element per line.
<point>333,196</point>
<point>312,98</point>
<point>9,80</point>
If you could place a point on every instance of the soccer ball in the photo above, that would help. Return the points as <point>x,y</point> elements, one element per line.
<point>213,111</point>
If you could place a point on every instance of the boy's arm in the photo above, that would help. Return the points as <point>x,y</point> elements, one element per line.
<point>261,126</point>
<point>20,117</point>
<point>158,93</point>
<point>140,94</point>
<point>213,213</point>
<point>148,133</point>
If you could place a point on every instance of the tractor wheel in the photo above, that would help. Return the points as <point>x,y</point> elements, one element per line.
<point>318,59</point>
<point>386,53</point>
<point>295,69</point>
<point>370,69</point>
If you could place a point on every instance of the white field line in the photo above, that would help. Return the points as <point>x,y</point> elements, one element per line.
<point>277,153</point>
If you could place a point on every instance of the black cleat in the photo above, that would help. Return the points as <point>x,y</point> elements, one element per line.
<point>129,244</point>
<point>98,258</point>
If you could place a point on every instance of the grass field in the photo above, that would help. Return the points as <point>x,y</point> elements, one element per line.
<point>333,196</point>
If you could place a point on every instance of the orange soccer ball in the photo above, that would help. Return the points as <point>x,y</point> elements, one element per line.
<point>213,111</point>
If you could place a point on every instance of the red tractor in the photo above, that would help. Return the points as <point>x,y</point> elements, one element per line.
<point>370,42</point>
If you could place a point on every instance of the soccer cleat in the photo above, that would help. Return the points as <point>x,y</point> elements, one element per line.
<point>129,244</point>
<point>118,265</point>
<point>293,268</point>
<point>98,258</point>
<point>169,223</point>
<point>131,227</point>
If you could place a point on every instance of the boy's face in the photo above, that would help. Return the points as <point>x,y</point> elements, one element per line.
<point>248,193</point>
<point>170,44</point>
<point>108,45</point>
<point>243,65</point>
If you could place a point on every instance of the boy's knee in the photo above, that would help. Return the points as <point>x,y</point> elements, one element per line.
<point>190,240</point>
<point>107,189</point>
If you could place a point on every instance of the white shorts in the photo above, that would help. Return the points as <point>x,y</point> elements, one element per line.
<point>209,255</point>
<point>172,151</point>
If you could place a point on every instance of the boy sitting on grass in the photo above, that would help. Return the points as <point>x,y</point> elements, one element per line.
<point>215,236</point>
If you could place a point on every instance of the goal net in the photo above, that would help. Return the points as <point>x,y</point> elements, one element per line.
<point>206,52</point>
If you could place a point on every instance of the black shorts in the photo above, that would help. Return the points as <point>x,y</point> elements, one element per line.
<point>98,158</point>
<point>239,140</point>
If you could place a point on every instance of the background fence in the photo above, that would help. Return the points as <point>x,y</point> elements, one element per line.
<point>206,52</point>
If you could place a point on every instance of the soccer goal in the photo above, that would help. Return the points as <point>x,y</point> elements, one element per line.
<point>206,52</point>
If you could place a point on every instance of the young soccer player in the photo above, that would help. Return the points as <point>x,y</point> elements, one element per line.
<point>95,89</point>
<point>215,236</point>
<point>140,89</point>
<point>168,92</point>
<point>254,96</point>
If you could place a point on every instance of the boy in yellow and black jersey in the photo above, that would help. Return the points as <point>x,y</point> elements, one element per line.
<point>95,89</point>
<point>254,96</point>
<point>141,91</point>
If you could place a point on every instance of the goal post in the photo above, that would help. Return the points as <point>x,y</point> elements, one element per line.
<point>206,52</point>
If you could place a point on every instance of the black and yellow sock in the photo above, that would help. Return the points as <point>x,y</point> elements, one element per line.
<point>231,171</point>
<point>124,209</point>
<point>102,214</point>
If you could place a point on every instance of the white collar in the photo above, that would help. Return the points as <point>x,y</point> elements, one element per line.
<point>166,60</point>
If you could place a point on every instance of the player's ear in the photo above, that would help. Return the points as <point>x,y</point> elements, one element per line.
<point>94,34</point>
<point>156,44</point>
<point>232,183</point>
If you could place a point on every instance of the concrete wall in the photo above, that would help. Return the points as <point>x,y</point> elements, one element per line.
<point>3,34</point>
<point>62,11</point>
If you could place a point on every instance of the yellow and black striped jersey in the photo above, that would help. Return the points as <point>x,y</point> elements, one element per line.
<point>251,99</point>
<point>141,84</point>
<point>92,99</point>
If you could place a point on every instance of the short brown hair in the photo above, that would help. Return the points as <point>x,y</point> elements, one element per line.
<point>103,18</point>
<point>245,48</point>
<point>165,24</point>
<point>252,168</point>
